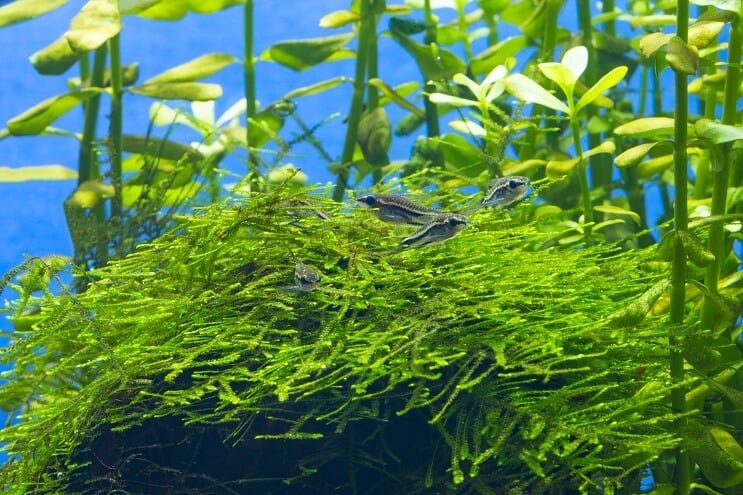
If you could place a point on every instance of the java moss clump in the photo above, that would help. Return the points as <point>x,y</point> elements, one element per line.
<point>481,365</point>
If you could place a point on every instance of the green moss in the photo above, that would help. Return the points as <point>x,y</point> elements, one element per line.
<point>478,364</point>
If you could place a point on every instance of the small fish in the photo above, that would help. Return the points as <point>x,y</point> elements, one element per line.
<point>439,229</point>
<point>507,191</point>
<point>305,278</point>
<point>396,209</point>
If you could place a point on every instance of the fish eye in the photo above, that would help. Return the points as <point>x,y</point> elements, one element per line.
<point>369,199</point>
<point>454,221</point>
<point>513,184</point>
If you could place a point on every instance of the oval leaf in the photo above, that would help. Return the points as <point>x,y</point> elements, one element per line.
<point>729,5</point>
<point>680,57</point>
<point>55,58</point>
<point>556,169</point>
<point>608,81</point>
<point>303,54</point>
<point>374,136</point>
<point>339,18</point>
<point>37,118</point>
<point>434,63</point>
<point>716,132</point>
<point>317,88</point>
<point>526,89</point>
<point>191,91</point>
<point>195,69</point>
<point>97,22</point>
<point>646,127</point>
<point>394,96</point>
<point>90,193</point>
<point>651,43</point>
<point>654,166</point>
<point>561,75</point>
<point>615,210</point>
<point>39,172</point>
<point>576,61</point>
<point>497,54</point>
<point>23,10</point>
<point>702,33</point>
<point>632,156</point>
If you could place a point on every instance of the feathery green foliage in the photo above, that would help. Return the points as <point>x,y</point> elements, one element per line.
<point>505,355</point>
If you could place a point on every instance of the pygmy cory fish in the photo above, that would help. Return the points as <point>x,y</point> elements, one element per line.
<point>305,278</point>
<point>396,209</point>
<point>439,229</point>
<point>507,191</point>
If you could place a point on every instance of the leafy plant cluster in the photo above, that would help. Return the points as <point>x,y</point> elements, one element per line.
<point>529,354</point>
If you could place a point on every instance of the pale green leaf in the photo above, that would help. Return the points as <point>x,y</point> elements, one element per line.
<point>681,57</point>
<point>394,96</point>
<point>576,61</point>
<point>650,43</point>
<point>605,147</point>
<point>235,110</point>
<point>195,69</point>
<point>434,62</point>
<point>556,169</point>
<point>646,127</point>
<point>729,5</point>
<point>38,172</point>
<point>468,127</point>
<point>303,54</point>
<point>608,81</point>
<point>497,54</point>
<point>632,156</point>
<point>133,7</point>
<point>702,33</point>
<point>90,193</point>
<point>55,58</point>
<point>526,89</point>
<point>211,6</point>
<point>318,87</point>
<point>338,18</point>
<point>615,210</point>
<point>716,132</point>
<point>34,120</point>
<point>561,75</point>
<point>97,22</point>
<point>456,101</point>
<point>654,166</point>
<point>180,91</point>
<point>466,81</point>
<point>24,10</point>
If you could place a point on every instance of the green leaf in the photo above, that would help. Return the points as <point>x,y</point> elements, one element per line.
<point>211,6</point>
<point>695,250</point>
<point>637,310</point>
<point>134,7</point>
<point>24,10</point>
<point>317,88</point>
<point>704,32</point>
<point>560,75</point>
<point>165,10</point>
<point>647,127</point>
<point>38,172</point>
<point>338,18</point>
<point>263,127</point>
<point>606,82</point>
<point>497,54</point>
<point>604,147</point>
<point>716,132</point>
<point>729,5</point>
<point>528,90</point>
<point>90,193</point>
<point>394,96</point>
<point>55,58</point>
<point>34,120</point>
<point>195,69</point>
<point>303,54</point>
<point>681,57</point>
<point>557,169</point>
<point>651,43</point>
<point>615,210</point>
<point>163,148</point>
<point>719,456</point>
<point>97,22</point>
<point>654,166</point>
<point>191,91</point>
<point>634,155</point>
<point>374,136</point>
<point>434,63</point>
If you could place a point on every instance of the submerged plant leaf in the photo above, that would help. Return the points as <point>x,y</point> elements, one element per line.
<point>616,210</point>
<point>303,54</point>
<point>55,58</point>
<point>338,18</point>
<point>717,132</point>
<point>317,88</point>
<point>192,91</point>
<point>681,57</point>
<point>528,90</point>
<point>606,82</point>
<point>637,311</point>
<point>646,127</point>
<point>729,5</point>
<point>37,172</point>
<point>40,116</point>
<point>97,22</point>
<point>635,154</point>
<point>434,63</point>
<point>193,70</point>
<point>24,10</point>
<point>374,136</point>
<point>90,193</point>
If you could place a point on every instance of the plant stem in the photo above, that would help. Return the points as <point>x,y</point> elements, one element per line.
<point>116,129</point>
<point>609,26</point>
<point>549,41</point>
<point>372,92</point>
<point>88,166</point>
<point>583,179</point>
<point>716,244</point>
<point>432,113</point>
<point>357,101</point>
<point>249,81</point>
<point>678,265</point>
